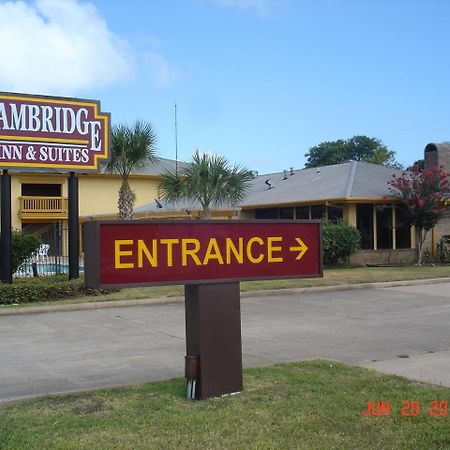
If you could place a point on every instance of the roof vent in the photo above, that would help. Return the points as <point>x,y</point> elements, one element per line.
<point>291,171</point>
<point>254,174</point>
<point>285,175</point>
<point>158,203</point>
<point>269,183</point>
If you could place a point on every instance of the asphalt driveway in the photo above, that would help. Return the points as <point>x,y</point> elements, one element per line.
<point>403,330</point>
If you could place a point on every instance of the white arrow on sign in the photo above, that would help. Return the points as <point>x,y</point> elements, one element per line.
<point>301,249</point>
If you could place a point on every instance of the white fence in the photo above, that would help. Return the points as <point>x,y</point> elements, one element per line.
<point>44,265</point>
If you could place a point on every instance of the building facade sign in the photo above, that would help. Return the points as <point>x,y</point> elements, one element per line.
<point>165,252</point>
<point>52,132</point>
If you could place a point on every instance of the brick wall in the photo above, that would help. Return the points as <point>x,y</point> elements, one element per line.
<point>401,256</point>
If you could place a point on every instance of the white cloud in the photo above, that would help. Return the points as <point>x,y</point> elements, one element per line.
<point>58,47</point>
<point>159,69</point>
<point>262,8</point>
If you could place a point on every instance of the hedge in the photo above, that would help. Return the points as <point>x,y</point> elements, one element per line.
<point>339,242</point>
<point>44,289</point>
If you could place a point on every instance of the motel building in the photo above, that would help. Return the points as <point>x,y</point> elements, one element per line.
<point>39,199</point>
<point>353,192</point>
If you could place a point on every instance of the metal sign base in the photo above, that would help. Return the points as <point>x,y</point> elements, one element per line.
<point>213,336</point>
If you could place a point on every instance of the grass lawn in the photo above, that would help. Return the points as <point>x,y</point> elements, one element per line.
<point>332,277</point>
<point>310,405</point>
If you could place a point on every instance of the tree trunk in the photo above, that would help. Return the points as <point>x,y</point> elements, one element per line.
<point>421,235</point>
<point>206,213</point>
<point>126,201</point>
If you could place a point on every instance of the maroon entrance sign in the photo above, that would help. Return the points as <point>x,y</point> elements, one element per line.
<point>163,252</point>
<point>52,132</point>
<point>210,258</point>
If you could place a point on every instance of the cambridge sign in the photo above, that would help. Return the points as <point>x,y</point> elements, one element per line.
<point>52,132</point>
<point>164,252</point>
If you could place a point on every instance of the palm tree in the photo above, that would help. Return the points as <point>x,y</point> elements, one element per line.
<point>131,148</point>
<point>208,179</point>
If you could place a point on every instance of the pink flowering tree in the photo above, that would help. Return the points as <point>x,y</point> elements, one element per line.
<point>422,194</point>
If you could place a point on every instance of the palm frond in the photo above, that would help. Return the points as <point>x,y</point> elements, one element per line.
<point>208,179</point>
<point>131,149</point>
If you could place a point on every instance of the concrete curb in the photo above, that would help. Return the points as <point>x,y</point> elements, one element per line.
<point>179,299</point>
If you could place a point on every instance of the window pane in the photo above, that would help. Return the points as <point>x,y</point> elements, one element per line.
<point>41,190</point>
<point>317,211</point>
<point>302,212</point>
<point>364,221</point>
<point>286,213</point>
<point>384,227</point>
<point>268,213</point>
<point>335,214</point>
<point>403,229</point>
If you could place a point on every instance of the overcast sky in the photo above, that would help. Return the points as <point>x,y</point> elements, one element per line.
<point>258,81</point>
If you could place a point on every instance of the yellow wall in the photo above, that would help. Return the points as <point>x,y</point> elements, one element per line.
<point>350,214</point>
<point>15,194</point>
<point>99,193</point>
<point>17,179</point>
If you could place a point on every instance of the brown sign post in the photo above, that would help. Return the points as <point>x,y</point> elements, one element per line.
<point>210,258</point>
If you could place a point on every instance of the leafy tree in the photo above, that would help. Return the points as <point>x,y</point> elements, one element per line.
<point>131,149</point>
<point>326,154</point>
<point>208,179</point>
<point>339,242</point>
<point>422,194</point>
<point>24,245</point>
<point>358,148</point>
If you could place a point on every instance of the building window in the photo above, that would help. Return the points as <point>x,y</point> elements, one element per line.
<point>317,211</point>
<point>268,213</point>
<point>384,227</point>
<point>403,229</point>
<point>286,213</point>
<point>364,221</point>
<point>41,190</point>
<point>335,214</point>
<point>302,212</point>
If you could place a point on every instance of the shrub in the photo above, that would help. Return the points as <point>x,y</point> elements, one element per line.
<point>339,242</point>
<point>44,289</point>
<point>443,249</point>
<point>23,247</point>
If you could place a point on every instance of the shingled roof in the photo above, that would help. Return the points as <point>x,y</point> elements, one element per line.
<point>160,166</point>
<point>352,180</point>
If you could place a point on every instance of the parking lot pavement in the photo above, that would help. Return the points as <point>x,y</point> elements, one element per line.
<point>400,330</point>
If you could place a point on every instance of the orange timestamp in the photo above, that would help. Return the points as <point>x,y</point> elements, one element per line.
<point>409,408</point>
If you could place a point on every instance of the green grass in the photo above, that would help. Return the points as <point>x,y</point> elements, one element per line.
<point>332,277</point>
<point>307,405</point>
<point>355,275</point>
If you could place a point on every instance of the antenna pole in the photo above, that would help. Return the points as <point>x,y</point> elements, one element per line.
<point>176,141</point>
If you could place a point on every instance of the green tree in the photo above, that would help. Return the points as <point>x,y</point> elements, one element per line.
<point>208,179</point>
<point>422,194</point>
<point>358,148</point>
<point>131,149</point>
<point>326,154</point>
